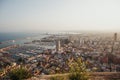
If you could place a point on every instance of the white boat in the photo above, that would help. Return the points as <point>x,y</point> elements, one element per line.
<point>13,41</point>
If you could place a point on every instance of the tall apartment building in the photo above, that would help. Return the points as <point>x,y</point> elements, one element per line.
<point>58,45</point>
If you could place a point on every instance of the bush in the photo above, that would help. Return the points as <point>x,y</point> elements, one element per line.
<point>77,76</point>
<point>78,70</point>
<point>59,78</point>
<point>19,74</point>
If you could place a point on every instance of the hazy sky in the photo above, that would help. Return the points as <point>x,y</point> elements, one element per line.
<point>38,15</point>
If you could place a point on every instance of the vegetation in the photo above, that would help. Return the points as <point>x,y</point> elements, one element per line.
<point>4,64</point>
<point>21,61</point>
<point>59,78</point>
<point>1,71</point>
<point>78,70</point>
<point>19,74</point>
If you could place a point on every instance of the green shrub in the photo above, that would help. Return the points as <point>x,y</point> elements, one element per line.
<point>78,70</point>
<point>77,76</point>
<point>19,74</point>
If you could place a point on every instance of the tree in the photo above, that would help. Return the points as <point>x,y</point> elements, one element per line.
<point>78,70</point>
<point>21,60</point>
<point>19,74</point>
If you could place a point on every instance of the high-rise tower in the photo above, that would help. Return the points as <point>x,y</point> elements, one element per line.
<point>115,37</point>
<point>58,45</point>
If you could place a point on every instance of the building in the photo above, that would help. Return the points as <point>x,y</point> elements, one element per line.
<point>115,37</point>
<point>58,45</point>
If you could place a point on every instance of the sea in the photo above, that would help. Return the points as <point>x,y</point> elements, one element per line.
<point>9,39</point>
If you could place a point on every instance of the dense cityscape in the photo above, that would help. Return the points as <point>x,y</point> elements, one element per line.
<point>59,40</point>
<point>50,55</point>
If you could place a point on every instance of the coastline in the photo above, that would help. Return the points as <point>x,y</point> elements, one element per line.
<point>19,41</point>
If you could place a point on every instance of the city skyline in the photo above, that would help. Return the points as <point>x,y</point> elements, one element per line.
<point>55,15</point>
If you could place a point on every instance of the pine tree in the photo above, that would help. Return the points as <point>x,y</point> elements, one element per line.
<point>78,70</point>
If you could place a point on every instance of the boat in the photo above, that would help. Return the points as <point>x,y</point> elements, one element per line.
<point>13,41</point>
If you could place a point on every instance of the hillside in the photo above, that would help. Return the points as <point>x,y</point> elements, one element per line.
<point>93,76</point>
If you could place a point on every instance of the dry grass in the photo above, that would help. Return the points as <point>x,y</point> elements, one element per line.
<point>93,76</point>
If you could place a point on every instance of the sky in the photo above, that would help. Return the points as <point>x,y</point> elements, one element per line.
<point>58,15</point>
